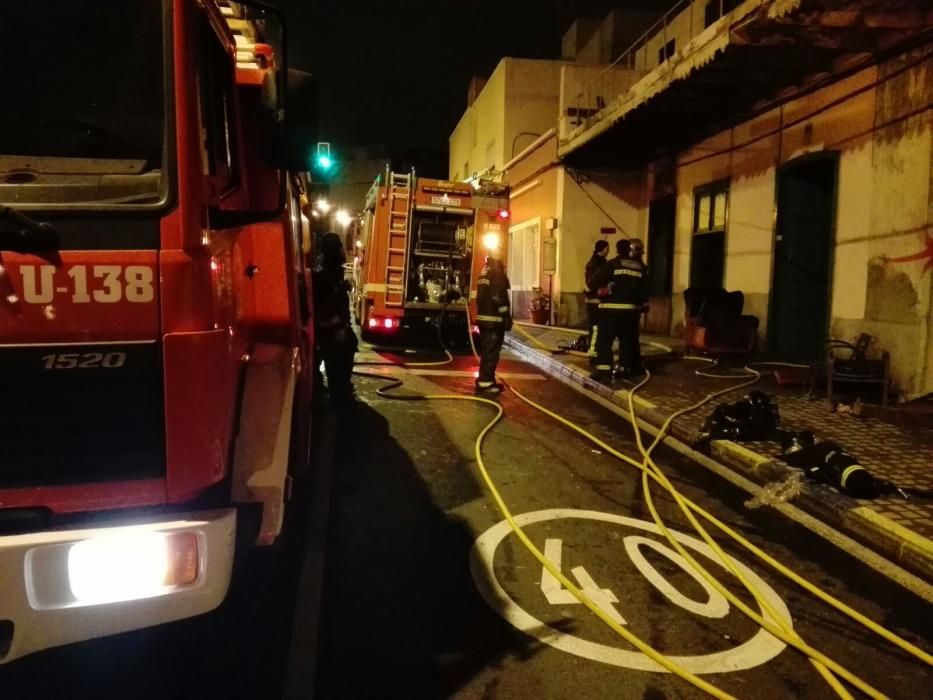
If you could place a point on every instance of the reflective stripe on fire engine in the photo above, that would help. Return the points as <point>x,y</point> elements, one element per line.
<point>618,307</point>
<point>488,319</point>
<point>374,288</point>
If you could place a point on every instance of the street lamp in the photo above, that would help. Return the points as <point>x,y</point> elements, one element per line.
<point>343,217</point>
<point>323,205</point>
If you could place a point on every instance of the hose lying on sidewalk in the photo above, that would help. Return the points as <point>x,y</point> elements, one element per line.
<point>828,668</point>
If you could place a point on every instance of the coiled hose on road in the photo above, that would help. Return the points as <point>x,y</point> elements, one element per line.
<point>828,668</point>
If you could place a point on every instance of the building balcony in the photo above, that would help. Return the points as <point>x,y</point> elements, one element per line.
<point>710,64</point>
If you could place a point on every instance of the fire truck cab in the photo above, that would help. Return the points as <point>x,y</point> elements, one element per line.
<point>155,324</point>
<point>423,245</point>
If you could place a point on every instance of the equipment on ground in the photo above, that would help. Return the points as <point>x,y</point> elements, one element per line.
<point>827,462</point>
<point>755,417</point>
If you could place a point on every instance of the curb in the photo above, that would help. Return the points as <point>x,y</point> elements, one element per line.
<point>899,544</point>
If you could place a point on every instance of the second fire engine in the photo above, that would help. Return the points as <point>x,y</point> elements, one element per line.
<point>423,245</point>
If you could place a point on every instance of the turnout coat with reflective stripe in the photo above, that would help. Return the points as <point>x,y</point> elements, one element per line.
<point>492,295</point>
<point>628,283</point>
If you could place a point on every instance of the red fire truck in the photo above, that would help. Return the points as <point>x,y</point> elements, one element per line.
<point>155,335</point>
<point>422,248</point>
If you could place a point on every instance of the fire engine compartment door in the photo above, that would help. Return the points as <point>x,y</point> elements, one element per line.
<point>80,413</point>
<point>80,367</point>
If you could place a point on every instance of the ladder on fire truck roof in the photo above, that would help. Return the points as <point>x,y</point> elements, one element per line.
<point>400,198</point>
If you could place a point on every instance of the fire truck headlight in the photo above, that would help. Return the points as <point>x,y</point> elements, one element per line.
<point>491,241</point>
<point>131,565</point>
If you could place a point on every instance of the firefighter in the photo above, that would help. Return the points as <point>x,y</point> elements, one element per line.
<point>494,318</point>
<point>633,332</point>
<point>335,337</point>
<point>620,312</point>
<point>598,259</point>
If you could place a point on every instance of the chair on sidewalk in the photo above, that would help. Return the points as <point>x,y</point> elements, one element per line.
<point>714,323</point>
<point>847,363</point>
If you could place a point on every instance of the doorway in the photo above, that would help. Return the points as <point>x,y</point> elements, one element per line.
<point>661,219</point>
<point>806,208</point>
<point>524,265</point>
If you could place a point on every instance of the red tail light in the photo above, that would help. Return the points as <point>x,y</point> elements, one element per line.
<point>387,324</point>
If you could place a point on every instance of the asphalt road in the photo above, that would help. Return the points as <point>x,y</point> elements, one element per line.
<point>405,616</point>
<point>412,608</point>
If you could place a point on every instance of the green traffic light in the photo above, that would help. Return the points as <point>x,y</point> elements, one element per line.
<point>325,162</point>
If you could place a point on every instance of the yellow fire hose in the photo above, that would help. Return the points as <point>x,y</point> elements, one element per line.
<point>828,668</point>
<point>651,469</point>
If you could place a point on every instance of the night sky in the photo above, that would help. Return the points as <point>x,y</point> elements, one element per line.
<point>395,74</point>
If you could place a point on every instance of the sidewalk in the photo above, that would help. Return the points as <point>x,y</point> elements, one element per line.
<point>900,530</point>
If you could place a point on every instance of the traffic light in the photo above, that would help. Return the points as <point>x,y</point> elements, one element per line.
<point>324,161</point>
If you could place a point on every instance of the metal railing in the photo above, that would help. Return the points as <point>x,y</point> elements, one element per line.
<point>618,77</point>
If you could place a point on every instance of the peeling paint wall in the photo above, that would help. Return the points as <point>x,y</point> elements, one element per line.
<point>897,301</point>
<point>879,122</point>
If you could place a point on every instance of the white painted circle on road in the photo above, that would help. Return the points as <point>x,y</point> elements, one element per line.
<point>716,604</point>
<point>761,648</point>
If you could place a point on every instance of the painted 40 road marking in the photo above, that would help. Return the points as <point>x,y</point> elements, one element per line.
<point>101,284</point>
<point>761,648</point>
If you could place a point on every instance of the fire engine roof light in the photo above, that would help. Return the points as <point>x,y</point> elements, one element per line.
<point>389,322</point>
<point>373,323</point>
<point>131,565</point>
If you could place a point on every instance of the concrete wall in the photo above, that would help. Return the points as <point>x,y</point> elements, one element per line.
<point>879,122</point>
<point>582,204</point>
<point>589,87</point>
<point>682,27</point>
<point>591,202</point>
<point>897,187</point>
<point>519,102</point>
<point>481,127</point>
<point>602,41</point>
<point>577,43</point>
<point>532,101</point>
<point>534,181</point>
